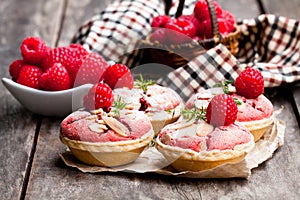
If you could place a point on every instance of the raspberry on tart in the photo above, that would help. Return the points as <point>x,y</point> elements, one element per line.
<point>250,83</point>
<point>99,96</point>
<point>222,110</point>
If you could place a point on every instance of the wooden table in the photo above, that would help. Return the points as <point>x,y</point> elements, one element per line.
<point>30,167</point>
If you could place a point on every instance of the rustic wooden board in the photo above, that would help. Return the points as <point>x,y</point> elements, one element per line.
<point>290,8</point>
<point>76,14</point>
<point>51,179</point>
<point>249,8</point>
<point>19,19</point>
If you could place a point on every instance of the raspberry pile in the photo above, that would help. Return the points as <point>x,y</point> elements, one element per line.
<point>196,26</point>
<point>53,69</point>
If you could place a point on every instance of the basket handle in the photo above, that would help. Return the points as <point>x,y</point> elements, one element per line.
<point>217,37</point>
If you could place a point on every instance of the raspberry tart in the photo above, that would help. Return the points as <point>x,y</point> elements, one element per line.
<point>255,111</point>
<point>196,143</point>
<point>107,135</point>
<point>161,104</point>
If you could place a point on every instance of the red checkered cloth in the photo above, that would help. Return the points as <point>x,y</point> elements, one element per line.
<point>269,43</point>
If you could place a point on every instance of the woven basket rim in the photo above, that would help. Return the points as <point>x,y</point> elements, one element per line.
<point>193,43</point>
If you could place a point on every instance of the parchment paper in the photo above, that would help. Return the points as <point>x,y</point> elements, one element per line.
<point>151,160</point>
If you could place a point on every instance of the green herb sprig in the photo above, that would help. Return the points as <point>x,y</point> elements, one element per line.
<point>224,85</point>
<point>194,113</point>
<point>118,106</point>
<point>143,84</point>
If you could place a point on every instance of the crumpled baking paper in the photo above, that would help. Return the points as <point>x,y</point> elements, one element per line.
<point>151,160</point>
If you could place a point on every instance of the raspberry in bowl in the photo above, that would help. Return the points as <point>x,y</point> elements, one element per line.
<point>49,81</point>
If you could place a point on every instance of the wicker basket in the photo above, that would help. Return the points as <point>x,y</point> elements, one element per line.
<point>177,55</point>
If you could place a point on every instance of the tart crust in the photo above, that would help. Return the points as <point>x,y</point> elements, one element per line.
<point>108,154</point>
<point>259,127</point>
<point>189,160</point>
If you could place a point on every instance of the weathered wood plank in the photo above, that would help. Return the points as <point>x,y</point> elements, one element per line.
<point>78,12</point>
<point>243,9</point>
<point>290,9</point>
<point>51,179</point>
<point>296,101</point>
<point>19,19</point>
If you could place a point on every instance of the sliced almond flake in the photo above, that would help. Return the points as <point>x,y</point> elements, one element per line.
<point>204,129</point>
<point>117,126</point>
<point>96,128</point>
<point>100,121</point>
<point>181,124</point>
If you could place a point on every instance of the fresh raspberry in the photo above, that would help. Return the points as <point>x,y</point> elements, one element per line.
<point>221,110</point>
<point>205,29</point>
<point>195,21</point>
<point>71,57</point>
<point>33,50</point>
<point>118,76</point>
<point>99,96</point>
<point>55,78</point>
<point>160,21</point>
<point>159,36</point>
<point>91,70</point>
<point>250,83</point>
<point>201,10</point>
<point>78,49</point>
<point>223,26</point>
<point>228,20</point>
<point>15,67</point>
<point>29,76</point>
<point>182,30</point>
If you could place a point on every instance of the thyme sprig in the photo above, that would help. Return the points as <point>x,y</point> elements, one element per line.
<point>194,113</point>
<point>143,84</point>
<point>118,106</point>
<point>224,85</point>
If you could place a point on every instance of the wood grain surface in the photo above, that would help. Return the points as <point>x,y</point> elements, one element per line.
<point>29,144</point>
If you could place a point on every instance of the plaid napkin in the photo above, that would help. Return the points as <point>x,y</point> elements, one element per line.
<point>269,43</point>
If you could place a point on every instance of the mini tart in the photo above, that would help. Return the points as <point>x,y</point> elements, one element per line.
<point>106,140</point>
<point>161,104</point>
<point>196,146</point>
<point>255,114</point>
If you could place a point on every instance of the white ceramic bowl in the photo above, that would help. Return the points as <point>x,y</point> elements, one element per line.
<point>56,103</point>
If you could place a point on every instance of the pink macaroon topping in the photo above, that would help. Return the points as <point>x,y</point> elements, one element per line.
<point>155,98</point>
<point>254,109</point>
<point>161,98</point>
<point>220,138</point>
<point>80,126</point>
